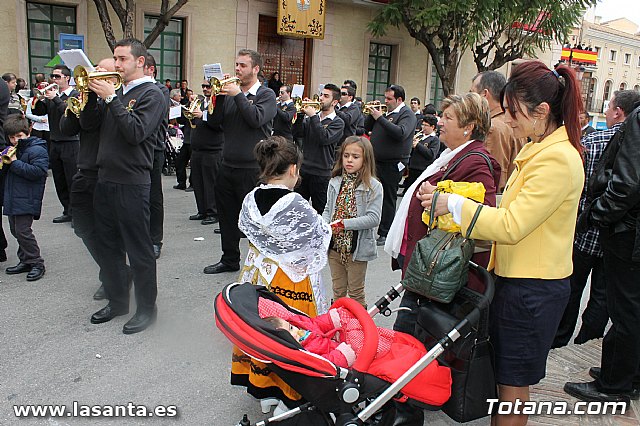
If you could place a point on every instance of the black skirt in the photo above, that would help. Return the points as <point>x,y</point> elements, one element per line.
<point>524,317</point>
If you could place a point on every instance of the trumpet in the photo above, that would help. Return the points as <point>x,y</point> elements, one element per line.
<point>366,108</point>
<point>313,103</point>
<point>188,112</point>
<point>216,88</point>
<point>6,154</point>
<point>39,93</point>
<point>82,78</point>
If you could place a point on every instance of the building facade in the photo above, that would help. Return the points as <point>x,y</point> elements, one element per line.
<point>210,31</point>
<point>617,44</point>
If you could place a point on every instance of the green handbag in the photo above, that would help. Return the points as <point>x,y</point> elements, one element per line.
<point>439,265</point>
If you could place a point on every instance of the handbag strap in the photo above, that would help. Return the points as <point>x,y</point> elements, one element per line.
<point>432,212</point>
<point>473,221</point>
<point>468,154</point>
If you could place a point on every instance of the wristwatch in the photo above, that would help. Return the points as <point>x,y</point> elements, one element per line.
<point>110,98</point>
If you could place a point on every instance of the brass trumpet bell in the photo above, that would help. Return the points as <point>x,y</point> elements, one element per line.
<point>313,103</point>
<point>82,78</point>
<point>188,112</point>
<point>366,108</point>
<point>216,88</point>
<point>6,154</point>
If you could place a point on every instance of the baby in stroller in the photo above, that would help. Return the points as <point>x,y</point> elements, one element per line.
<point>317,341</point>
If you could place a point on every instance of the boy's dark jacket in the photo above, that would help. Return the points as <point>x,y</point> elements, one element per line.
<point>24,178</point>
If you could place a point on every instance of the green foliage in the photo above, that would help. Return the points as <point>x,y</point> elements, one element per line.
<point>447,28</point>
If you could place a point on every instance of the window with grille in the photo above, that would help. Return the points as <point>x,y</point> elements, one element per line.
<point>45,22</point>
<point>167,48</point>
<point>436,92</point>
<point>379,73</point>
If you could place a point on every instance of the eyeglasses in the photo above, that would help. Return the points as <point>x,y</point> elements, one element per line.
<point>55,76</point>
<point>206,86</point>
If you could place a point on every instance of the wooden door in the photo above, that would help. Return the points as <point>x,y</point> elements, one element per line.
<point>291,57</point>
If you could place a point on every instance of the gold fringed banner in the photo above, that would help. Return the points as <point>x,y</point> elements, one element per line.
<point>301,18</point>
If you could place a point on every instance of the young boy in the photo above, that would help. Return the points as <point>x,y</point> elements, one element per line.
<point>25,174</point>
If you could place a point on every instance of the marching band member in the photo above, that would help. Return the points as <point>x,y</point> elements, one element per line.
<point>391,137</point>
<point>350,113</point>
<point>322,131</point>
<point>207,140</point>
<point>285,114</point>
<point>246,112</point>
<point>63,154</point>
<point>129,119</point>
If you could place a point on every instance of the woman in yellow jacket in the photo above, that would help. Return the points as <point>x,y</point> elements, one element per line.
<point>533,227</point>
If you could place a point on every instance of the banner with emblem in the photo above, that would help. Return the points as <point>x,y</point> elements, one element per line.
<point>301,18</point>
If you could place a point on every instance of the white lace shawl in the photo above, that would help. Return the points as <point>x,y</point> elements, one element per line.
<point>291,233</point>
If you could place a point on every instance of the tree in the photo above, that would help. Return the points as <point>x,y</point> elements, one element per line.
<point>126,15</point>
<point>495,30</point>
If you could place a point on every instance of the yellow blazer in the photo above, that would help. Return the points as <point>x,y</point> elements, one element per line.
<point>534,225</point>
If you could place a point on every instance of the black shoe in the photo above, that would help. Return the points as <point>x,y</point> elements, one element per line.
<point>157,248</point>
<point>198,216</point>
<point>35,273</point>
<point>209,220</point>
<point>100,294</point>
<point>217,231</point>
<point>635,392</point>
<point>180,186</point>
<point>3,255</point>
<point>589,392</point>
<point>220,267</point>
<point>189,189</point>
<point>62,219</point>
<point>380,241</point>
<point>106,314</point>
<point>140,321</point>
<point>20,268</point>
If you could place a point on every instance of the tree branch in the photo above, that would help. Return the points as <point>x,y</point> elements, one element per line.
<point>163,21</point>
<point>105,21</point>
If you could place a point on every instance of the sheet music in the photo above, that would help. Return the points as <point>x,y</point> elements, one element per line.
<point>212,70</point>
<point>297,90</point>
<point>175,112</point>
<point>74,57</point>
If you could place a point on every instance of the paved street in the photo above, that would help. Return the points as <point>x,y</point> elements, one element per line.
<point>52,354</point>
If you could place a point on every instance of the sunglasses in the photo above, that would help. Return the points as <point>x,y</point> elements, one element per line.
<point>55,76</point>
<point>344,94</point>
<point>206,86</point>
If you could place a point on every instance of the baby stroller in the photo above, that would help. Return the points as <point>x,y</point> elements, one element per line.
<point>335,396</point>
<point>174,141</point>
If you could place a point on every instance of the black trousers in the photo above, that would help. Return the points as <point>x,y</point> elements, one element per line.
<point>389,176</point>
<point>181,164</point>
<point>204,170</point>
<point>232,185</point>
<point>157,199</point>
<point>621,346</point>
<point>63,161</point>
<point>595,316</point>
<point>122,221</point>
<point>28,250</point>
<point>84,225</point>
<point>315,188</point>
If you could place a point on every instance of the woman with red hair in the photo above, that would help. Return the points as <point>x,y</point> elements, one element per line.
<point>533,227</point>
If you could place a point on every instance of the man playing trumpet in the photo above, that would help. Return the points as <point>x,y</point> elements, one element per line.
<point>321,130</point>
<point>63,152</point>
<point>285,114</point>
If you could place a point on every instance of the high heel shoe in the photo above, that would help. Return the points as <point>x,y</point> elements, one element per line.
<point>267,403</point>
